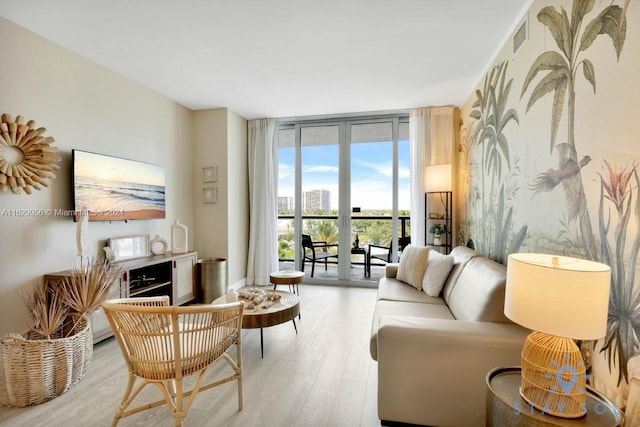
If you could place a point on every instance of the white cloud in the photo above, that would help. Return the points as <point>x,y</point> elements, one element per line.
<point>285,171</point>
<point>320,168</point>
<point>384,169</point>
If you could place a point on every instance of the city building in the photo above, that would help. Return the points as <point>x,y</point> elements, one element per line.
<point>316,200</point>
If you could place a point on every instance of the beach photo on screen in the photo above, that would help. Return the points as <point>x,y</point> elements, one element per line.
<point>113,189</point>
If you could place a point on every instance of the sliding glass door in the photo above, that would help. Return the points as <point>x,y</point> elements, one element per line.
<point>319,198</point>
<point>341,184</point>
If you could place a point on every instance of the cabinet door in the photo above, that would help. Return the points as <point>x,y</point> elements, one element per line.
<point>99,323</point>
<point>183,279</point>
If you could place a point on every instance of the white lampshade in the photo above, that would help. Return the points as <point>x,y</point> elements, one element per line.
<point>437,178</point>
<point>561,296</point>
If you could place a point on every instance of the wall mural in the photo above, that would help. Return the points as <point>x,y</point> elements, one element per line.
<point>493,195</point>
<point>562,69</point>
<point>495,183</point>
<point>623,326</point>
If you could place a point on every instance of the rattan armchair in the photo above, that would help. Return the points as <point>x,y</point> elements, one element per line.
<point>163,344</point>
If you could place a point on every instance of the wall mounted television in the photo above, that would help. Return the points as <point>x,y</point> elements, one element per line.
<point>116,189</point>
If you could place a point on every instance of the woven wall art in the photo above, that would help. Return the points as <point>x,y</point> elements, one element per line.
<point>27,159</point>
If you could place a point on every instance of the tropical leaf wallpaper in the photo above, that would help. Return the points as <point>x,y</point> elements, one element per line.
<point>549,153</point>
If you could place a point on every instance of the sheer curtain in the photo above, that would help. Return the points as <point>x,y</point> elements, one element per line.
<point>419,143</point>
<point>263,201</point>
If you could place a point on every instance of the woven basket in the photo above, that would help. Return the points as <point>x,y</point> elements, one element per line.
<point>33,371</point>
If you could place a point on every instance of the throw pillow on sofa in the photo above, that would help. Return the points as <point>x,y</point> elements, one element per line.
<point>413,264</point>
<point>437,273</point>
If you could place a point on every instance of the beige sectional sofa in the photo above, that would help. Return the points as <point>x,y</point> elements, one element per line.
<point>434,353</point>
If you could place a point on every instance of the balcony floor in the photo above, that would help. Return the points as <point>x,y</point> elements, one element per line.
<point>357,272</point>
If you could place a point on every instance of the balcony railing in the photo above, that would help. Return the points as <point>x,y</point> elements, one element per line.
<point>379,234</point>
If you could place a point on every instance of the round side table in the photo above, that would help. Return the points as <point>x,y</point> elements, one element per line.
<point>287,277</point>
<point>505,406</point>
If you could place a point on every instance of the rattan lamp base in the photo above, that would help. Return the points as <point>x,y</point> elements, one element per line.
<point>553,376</point>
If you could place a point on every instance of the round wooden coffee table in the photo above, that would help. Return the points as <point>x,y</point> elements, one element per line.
<point>287,277</point>
<point>261,316</point>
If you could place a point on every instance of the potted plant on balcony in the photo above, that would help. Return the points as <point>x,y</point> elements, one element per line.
<point>437,229</point>
<point>55,352</point>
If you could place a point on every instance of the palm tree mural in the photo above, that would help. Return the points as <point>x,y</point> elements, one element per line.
<point>491,118</point>
<point>465,165</point>
<point>562,68</point>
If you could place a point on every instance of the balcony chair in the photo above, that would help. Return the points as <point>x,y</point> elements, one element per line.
<point>316,251</point>
<point>163,344</point>
<point>383,253</point>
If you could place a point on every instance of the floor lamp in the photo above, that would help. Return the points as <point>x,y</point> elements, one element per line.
<point>560,299</point>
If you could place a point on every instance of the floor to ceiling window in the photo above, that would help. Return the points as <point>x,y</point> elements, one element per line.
<point>343,184</point>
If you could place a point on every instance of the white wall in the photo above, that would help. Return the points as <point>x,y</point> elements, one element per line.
<point>83,106</point>
<point>222,227</point>
<point>211,150</point>
<point>238,209</point>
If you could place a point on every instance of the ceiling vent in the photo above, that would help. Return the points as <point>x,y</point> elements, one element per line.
<point>521,35</point>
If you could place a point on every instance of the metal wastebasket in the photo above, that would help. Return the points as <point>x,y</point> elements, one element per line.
<point>212,278</point>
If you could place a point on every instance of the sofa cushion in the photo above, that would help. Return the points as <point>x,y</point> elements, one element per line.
<point>402,308</point>
<point>395,290</point>
<point>437,272</point>
<point>478,294</point>
<point>391,270</point>
<point>461,255</point>
<point>413,265</point>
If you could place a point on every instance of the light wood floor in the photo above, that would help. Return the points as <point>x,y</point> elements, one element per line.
<point>323,376</point>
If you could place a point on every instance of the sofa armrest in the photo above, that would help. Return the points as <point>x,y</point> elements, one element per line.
<point>391,270</point>
<point>433,371</point>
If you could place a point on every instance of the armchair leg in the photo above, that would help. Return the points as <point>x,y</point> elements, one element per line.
<point>367,270</point>
<point>238,370</point>
<point>240,393</point>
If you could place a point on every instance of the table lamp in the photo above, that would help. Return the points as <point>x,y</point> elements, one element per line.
<point>560,299</point>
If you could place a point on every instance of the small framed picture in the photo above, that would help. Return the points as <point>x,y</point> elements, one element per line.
<point>210,195</point>
<point>210,174</point>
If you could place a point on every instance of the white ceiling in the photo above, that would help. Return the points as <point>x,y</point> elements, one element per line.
<point>284,58</point>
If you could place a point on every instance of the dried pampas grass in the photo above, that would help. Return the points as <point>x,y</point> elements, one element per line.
<point>89,285</point>
<point>46,309</point>
<point>54,308</point>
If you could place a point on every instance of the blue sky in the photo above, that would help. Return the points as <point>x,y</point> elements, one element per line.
<point>371,173</point>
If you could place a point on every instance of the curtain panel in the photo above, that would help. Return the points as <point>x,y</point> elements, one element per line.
<point>419,144</point>
<point>263,201</point>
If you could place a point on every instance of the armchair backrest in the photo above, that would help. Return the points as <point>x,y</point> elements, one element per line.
<point>403,242</point>
<point>161,342</point>
<point>306,241</point>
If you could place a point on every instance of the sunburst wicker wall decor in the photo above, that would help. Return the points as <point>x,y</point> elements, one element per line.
<point>27,159</point>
